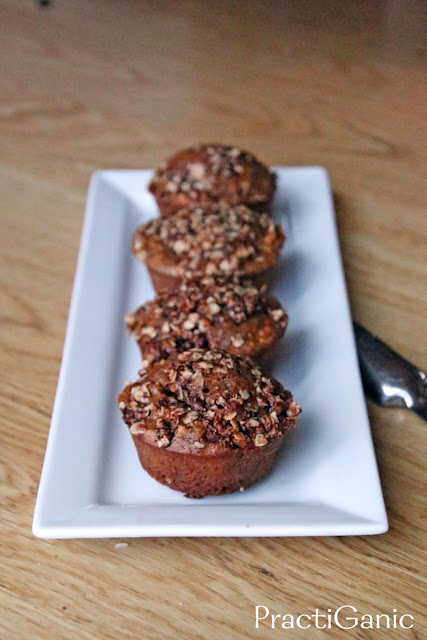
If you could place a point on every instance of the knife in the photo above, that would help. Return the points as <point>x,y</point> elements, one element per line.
<point>389,379</point>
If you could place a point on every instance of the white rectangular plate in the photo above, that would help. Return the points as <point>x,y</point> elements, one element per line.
<point>326,480</point>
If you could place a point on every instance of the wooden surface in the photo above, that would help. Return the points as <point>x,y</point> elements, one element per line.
<point>96,84</point>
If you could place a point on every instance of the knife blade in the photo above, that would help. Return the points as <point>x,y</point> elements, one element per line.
<point>388,378</point>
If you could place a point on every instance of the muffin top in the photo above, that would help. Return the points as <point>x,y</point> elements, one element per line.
<point>213,312</point>
<point>212,173</point>
<point>206,402</point>
<point>208,241</point>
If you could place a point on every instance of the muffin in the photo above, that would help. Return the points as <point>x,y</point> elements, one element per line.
<point>208,241</point>
<point>211,173</point>
<point>211,313</point>
<point>206,422</point>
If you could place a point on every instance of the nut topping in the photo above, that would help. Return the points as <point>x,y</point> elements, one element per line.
<point>260,440</point>
<point>173,400</point>
<point>211,312</point>
<point>212,240</point>
<point>213,172</point>
<point>237,340</point>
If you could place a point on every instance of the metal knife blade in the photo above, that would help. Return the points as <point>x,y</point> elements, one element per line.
<point>387,377</point>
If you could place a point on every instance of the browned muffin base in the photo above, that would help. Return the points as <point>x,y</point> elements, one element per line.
<point>162,281</point>
<point>199,475</point>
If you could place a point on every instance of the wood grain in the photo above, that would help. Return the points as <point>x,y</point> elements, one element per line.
<point>88,85</point>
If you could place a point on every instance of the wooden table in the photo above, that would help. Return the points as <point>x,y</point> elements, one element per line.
<point>101,84</point>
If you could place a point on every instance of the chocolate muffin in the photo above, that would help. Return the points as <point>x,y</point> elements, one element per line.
<point>210,173</point>
<point>206,422</point>
<point>211,313</point>
<point>217,240</point>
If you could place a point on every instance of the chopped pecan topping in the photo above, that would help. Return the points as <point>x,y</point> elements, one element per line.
<point>260,440</point>
<point>215,172</point>
<point>205,313</point>
<point>230,403</point>
<point>237,340</point>
<point>211,240</point>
